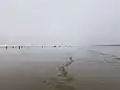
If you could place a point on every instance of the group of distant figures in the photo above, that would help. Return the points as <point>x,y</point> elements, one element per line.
<point>62,70</point>
<point>20,47</point>
<point>14,47</point>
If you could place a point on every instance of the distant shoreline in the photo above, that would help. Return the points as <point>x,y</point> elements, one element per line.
<point>106,45</point>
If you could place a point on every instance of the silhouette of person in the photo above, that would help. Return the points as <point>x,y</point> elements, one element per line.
<point>19,47</point>
<point>6,47</point>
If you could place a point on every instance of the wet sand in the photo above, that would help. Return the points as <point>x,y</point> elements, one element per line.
<point>24,70</point>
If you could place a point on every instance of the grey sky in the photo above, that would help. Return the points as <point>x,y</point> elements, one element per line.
<point>73,22</point>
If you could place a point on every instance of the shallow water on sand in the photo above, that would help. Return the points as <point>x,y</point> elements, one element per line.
<point>35,69</point>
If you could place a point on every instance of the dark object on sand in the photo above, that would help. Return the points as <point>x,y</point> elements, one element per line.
<point>19,47</point>
<point>6,47</point>
<point>62,71</point>
<point>54,46</point>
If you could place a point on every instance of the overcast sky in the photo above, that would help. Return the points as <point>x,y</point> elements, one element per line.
<point>60,22</point>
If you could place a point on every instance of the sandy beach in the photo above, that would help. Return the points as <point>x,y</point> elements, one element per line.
<point>36,69</point>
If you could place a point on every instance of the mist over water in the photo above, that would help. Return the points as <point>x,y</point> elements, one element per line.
<point>64,22</point>
<point>60,23</point>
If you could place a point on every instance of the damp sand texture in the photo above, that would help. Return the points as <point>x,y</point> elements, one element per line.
<point>33,70</point>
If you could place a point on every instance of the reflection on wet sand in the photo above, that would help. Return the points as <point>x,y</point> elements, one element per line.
<point>110,58</point>
<point>36,70</point>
